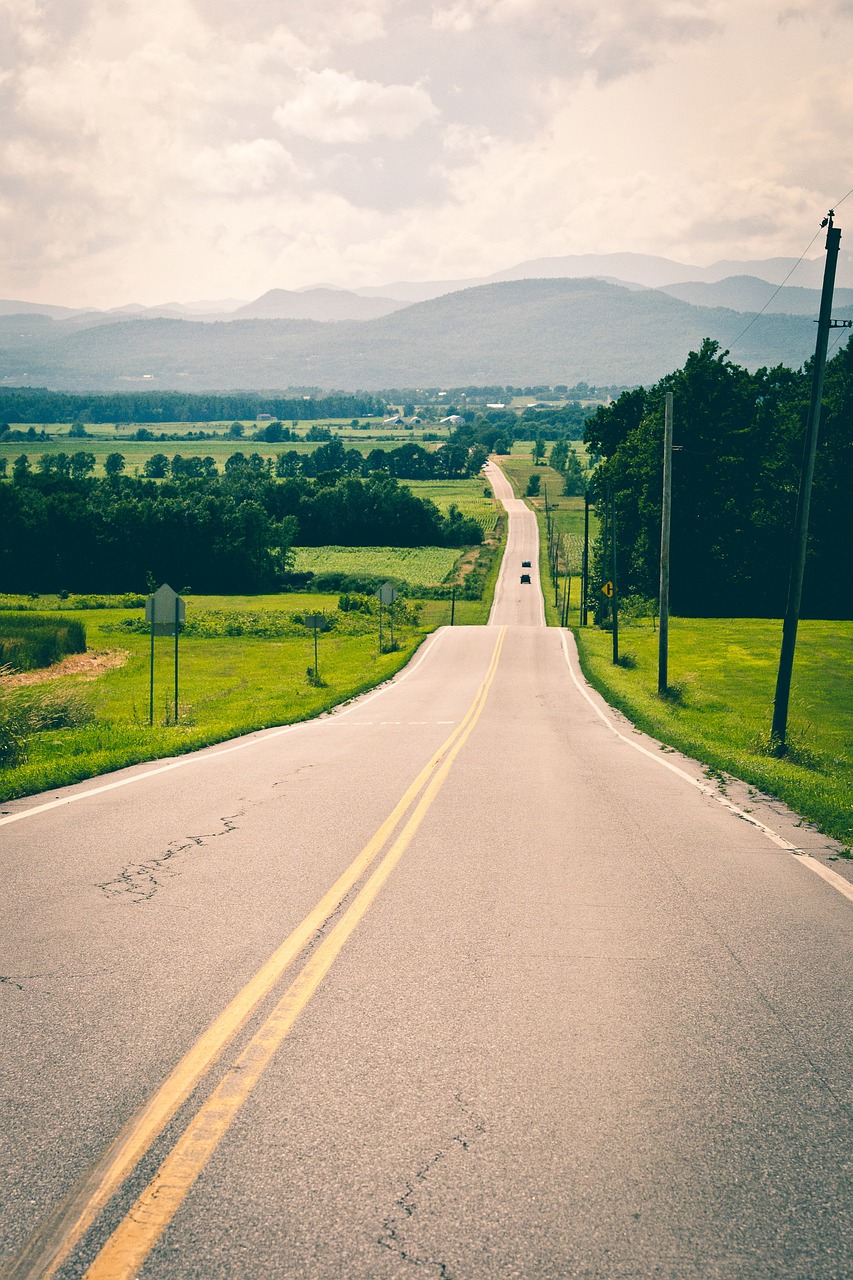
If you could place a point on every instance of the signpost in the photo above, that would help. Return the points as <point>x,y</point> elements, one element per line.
<point>319,622</point>
<point>165,612</point>
<point>387,594</point>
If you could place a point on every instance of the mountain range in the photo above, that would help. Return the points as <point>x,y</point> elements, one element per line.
<point>530,331</point>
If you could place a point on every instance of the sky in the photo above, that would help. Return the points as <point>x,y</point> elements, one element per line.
<point>177,150</point>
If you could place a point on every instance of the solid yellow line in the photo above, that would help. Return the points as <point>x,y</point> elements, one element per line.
<point>131,1242</point>
<point>64,1228</point>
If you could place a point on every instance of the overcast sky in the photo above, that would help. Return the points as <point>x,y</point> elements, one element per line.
<point>157,150</point>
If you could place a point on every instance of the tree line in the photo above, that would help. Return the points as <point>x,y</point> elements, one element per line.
<point>229,533</point>
<point>37,404</point>
<point>738,445</point>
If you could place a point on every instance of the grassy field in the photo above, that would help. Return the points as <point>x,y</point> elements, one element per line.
<point>229,684</point>
<point>419,566</point>
<point>723,675</point>
<point>468,495</point>
<point>103,439</point>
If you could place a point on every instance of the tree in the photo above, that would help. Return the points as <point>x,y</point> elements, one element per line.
<point>575,482</point>
<point>235,431</point>
<point>156,467</point>
<point>114,464</point>
<point>82,464</point>
<point>538,451</point>
<point>533,485</point>
<point>21,467</point>
<point>559,455</point>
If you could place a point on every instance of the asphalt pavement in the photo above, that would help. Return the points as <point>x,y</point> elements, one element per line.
<point>465,979</point>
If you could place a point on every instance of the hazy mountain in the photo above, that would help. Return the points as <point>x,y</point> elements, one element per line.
<point>527,331</point>
<point>749,294</point>
<point>11,307</point>
<point>320,303</point>
<point>625,268</point>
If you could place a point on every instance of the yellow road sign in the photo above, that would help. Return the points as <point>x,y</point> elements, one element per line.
<point>607,589</point>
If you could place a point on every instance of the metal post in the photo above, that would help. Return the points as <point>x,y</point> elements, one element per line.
<point>177,629</point>
<point>663,634</point>
<point>584,619</point>
<point>316,659</point>
<point>614,599</point>
<point>151,681</point>
<point>452,604</point>
<point>391,616</point>
<point>380,624</point>
<point>801,524</point>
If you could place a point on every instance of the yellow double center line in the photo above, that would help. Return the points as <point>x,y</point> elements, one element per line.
<point>129,1245</point>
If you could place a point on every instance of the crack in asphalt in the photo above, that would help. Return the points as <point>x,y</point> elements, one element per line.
<point>405,1206</point>
<point>139,881</point>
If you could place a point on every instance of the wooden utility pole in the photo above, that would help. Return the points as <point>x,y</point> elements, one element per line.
<point>614,599</point>
<point>585,563</point>
<point>801,524</point>
<point>663,635</point>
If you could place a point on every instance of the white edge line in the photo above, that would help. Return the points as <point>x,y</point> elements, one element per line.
<point>202,754</point>
<point>803,858</point>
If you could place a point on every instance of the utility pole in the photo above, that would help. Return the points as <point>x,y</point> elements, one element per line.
<point>801,524</point>
<point>663,635</point>
<point>614,599</point>
<point>584,618</point>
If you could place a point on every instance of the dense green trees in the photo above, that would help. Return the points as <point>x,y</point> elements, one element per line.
<point>36,404</point>
<point>228,533</point>
<point>738,443</point>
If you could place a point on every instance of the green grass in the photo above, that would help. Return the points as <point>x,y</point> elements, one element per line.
<point>419,566</point>
<point>468,495</point>
<point>103,440</point>
<point>228,685</point>
<point>723,674</point>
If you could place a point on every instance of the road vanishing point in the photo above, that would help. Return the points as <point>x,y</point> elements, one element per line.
<point>467,979</point>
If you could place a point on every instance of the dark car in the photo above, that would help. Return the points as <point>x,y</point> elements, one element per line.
<point>525,564</point>
<point>525,577</point>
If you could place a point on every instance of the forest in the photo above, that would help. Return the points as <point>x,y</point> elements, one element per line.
<point>737,452</point>
<point>211,533</point>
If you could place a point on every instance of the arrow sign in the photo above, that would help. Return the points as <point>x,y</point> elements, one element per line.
<point>607,589</point>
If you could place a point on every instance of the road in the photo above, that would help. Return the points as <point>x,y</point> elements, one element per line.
<point>464,980</point>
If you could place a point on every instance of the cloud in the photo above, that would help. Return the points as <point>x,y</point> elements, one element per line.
<point>336,107</point>
<point>243,168</point>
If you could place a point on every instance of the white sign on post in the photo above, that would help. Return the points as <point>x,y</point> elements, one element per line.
<point>387,593</point>
<point>160,610</point>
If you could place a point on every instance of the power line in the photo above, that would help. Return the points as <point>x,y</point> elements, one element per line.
<point>760,313</point>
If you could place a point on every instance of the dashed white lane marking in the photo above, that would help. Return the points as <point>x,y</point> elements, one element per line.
<point>205,754</point>
<point>803,858</point>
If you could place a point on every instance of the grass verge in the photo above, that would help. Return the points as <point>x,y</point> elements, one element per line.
<point>722,674</point>
<point>229,684</point>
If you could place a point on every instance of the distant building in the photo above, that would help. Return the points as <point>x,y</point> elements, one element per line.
<point>496,406</point>
<point>396,421</point>
<point>455,420</point>
<point>264,417</point>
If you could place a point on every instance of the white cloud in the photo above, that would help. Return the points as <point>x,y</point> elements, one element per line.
<point>243,168</point>
<point>335,107</point>
<point>186,148</point>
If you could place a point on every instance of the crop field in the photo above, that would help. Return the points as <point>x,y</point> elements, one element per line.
<point>722,673</point>
<point>468,495</point>
<point>419,566</point>
<point>137,452</point>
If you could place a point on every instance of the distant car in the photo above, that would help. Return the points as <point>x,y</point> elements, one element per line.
<point>525,564</point>
<point>525,577</point>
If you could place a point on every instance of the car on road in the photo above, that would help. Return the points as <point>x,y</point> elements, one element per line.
<point>525,564</point>
<point>525,577</point>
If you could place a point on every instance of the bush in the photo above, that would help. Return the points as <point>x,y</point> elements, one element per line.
<point>28,640</point>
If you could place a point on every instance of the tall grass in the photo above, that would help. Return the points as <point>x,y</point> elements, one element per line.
<point>29,641</point>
